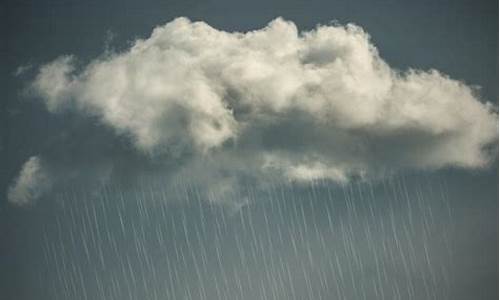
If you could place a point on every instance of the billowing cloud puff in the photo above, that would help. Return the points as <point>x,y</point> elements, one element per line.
<point>317,104</point>
<point>31,183</point>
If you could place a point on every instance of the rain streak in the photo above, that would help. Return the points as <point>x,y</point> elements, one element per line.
<point>363,240</point>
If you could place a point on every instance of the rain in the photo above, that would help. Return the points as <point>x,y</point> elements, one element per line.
<point>249,150</point>
<point>384,239</point>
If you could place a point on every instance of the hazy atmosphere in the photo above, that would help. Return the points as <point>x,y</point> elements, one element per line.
<point>232,150</point>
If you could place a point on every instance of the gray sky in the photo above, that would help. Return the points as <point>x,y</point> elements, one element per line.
<point>434,223</point>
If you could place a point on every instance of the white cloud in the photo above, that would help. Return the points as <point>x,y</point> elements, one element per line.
<point>318,104</point>
<point>31,183</point>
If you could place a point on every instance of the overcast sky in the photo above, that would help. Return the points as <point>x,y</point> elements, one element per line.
<point>387,111</point>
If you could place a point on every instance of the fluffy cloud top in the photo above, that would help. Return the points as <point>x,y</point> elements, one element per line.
<point>318,104</point>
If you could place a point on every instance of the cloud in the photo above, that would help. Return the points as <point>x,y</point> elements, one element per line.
<point>318,104</point>
<point>21,70</point>
<point>33,181</point>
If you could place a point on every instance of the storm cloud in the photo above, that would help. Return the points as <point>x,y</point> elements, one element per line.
<point>300,106</point>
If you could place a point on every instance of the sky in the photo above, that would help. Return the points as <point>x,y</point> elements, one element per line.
<point>237,150</point>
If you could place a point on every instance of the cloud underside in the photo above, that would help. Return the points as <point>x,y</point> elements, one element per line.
<point>302,106</point>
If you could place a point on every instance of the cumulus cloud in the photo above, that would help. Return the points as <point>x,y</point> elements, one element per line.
<point>318,104</point>
<point>33,181</point>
